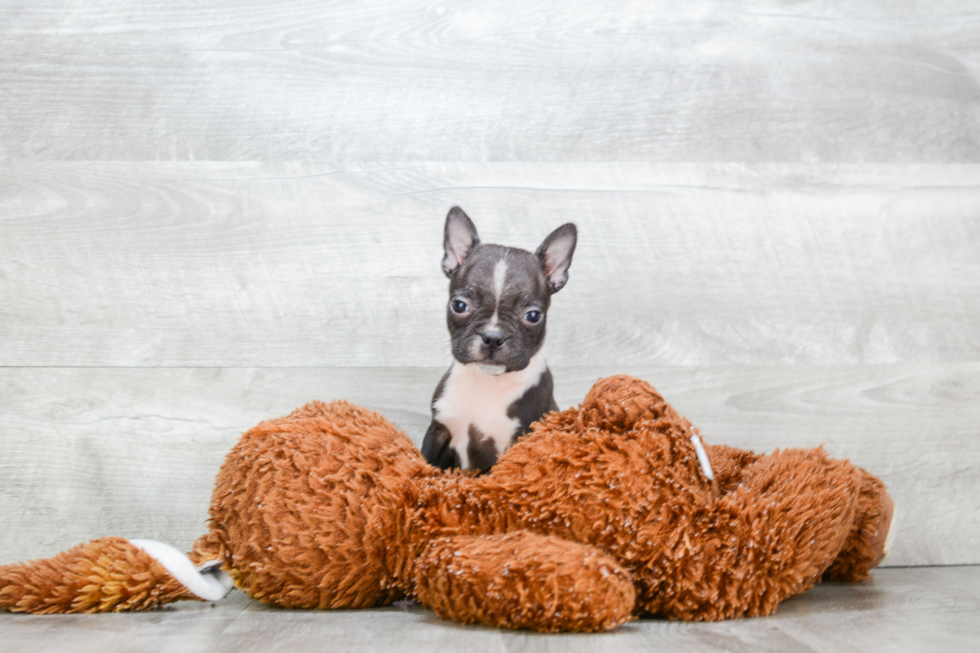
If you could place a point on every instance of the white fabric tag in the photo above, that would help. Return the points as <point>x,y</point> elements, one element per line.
<point>208,582</point>
<point>703,457</point>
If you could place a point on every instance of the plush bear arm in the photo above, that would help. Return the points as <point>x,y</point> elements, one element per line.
<point>523,580</point>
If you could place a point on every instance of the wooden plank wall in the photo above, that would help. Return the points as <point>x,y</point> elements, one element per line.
<point>213,212</point>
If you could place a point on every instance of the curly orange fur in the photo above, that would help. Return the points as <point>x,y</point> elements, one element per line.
<point>601,513</point>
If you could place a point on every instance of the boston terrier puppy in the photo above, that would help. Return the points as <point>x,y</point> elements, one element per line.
<point>498,306</point>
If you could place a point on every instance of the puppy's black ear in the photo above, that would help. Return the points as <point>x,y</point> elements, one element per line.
<point>555,255</point>
<point>460,238</point>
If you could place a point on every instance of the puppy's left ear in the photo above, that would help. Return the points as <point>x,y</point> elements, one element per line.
<point>555,255</point>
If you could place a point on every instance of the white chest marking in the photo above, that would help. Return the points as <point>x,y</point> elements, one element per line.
<point>472,396</point>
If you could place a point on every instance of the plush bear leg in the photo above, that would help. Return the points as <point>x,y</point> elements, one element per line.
<point>105,575</point>
<point>768,538</point>
<point>523,580</point>
<point>870,538</point>
<point>799,508</point>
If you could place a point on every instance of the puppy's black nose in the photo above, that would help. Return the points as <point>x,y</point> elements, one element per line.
<point>492,339</point>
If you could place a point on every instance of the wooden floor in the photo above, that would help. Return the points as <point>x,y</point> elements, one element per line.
<point>900,609</point>
<point>214,211</point>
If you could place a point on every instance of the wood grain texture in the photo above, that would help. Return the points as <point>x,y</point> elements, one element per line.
<point>926,609</point>
<point>134,452</point>
<point>212,212</point>
<point>588,80</point>
<point>302,264</point>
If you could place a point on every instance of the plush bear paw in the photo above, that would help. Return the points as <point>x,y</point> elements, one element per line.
<point>524,580</point>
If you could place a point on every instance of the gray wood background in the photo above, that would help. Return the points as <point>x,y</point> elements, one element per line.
<point>213,212</point>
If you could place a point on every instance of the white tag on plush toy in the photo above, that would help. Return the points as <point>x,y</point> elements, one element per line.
<point>703,457</point>
<point>208,582</point>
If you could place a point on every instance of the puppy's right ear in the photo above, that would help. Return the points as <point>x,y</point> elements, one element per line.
<point>460,238</point>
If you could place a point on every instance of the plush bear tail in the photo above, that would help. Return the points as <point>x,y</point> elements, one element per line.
<point>109,574</point>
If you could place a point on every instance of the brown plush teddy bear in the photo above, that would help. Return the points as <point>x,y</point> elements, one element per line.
<point>603,512</point>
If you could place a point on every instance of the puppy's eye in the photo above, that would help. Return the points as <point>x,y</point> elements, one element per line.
<point>533,317</point>
<point>459,307</point>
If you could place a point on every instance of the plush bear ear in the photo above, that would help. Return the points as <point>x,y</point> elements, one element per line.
<point>460,238</point>
<point>555,255</point>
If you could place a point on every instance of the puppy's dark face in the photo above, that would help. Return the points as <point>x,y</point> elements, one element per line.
<point>498,307</point>
<point>499,296</point>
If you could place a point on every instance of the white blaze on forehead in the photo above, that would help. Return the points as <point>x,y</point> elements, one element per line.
<point>499,278</point>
